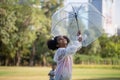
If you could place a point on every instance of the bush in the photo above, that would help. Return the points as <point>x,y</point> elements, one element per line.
<point>92,59</point>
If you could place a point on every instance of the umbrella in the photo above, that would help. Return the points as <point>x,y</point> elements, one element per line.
<point>75,17</point>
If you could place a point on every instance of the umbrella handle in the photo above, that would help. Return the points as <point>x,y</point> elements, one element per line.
<point>76,18</point>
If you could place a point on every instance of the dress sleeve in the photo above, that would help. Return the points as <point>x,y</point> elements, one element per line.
<point>73,48</point>
<point>69,50</point>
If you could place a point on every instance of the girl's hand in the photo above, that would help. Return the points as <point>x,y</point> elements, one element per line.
<point>79,33</point>
<point>79,36</point>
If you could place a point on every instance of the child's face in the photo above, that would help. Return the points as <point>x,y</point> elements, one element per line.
<point>62,42</point>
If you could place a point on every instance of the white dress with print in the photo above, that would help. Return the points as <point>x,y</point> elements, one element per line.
<point>63,57</point>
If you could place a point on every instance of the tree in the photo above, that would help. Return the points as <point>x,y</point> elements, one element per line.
<point>50,6</point>
<point>43,24</point>
<point>18,29</point>
<point>110,46</point>
<point>7,31</point>
<point>44,32</point>
<point>24,30</point>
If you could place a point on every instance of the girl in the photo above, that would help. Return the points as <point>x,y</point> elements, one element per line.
<point>52,72</point>
<point>63,55</point>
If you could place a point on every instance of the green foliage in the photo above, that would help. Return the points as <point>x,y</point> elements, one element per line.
<point>87,59</point>
<point>50,6</point>
<point>20,25</point>
<point>104,51</point>
<point>110,46</point>
<point>7,28</point>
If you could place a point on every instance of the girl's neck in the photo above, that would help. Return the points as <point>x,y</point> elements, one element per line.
<point>63,46</point>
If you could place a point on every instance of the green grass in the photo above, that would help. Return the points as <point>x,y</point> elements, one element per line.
<point>41,73</point>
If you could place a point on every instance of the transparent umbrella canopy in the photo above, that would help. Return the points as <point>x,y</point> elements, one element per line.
<point>76,17</point>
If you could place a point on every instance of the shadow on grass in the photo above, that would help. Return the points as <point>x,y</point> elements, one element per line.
<point>100,79</point>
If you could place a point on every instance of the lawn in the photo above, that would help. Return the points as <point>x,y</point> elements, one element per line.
<point>41,73</point>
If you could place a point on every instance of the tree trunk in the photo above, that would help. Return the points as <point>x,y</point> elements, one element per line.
<point>32,56</point>
<point>6,61</point>
<point>18,58</point>
<point>44,60</point>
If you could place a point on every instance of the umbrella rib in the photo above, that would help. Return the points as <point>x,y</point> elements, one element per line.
<point>96,13</point>
<point>60,21</point>
<point>90,22</point>
<point>72,21</point>
<point>69,12</point>
<point>73,9</point>
<point>71,24</point>
<point>92,12</point>
<point>86,19</point>
<point>79,8</point>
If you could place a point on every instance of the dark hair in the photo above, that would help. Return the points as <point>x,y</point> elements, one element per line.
<point>54,63</point>
<point>52,44</point>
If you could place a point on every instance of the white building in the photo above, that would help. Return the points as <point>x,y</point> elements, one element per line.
<point>116,15</point>
<point>107,13</point>
<point>111,12</point>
